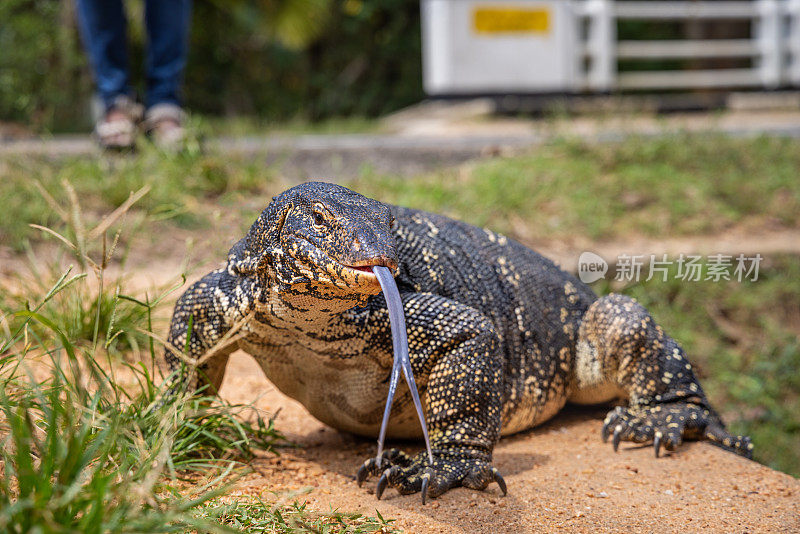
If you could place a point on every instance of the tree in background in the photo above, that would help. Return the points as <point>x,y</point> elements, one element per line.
<point>44,76</point>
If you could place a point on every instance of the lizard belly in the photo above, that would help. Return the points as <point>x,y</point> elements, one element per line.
<point>348,394</point>
<point>521,418</point>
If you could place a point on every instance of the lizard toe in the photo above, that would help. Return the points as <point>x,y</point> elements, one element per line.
<point>406,480</point>
<point>626,426</point>
<point>433,480</point>
<point>481,476</point>
<point>376,466</point>
<point>668,425</point>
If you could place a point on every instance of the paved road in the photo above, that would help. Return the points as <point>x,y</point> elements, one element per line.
<point>332,156</point>
<point>318,155</point>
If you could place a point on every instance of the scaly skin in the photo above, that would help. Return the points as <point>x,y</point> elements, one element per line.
<point>500,338</point>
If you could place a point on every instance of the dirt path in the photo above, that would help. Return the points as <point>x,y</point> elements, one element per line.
<point>561,477</point>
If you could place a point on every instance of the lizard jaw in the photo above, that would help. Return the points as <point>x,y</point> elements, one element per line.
<point>366,270</point>
<point>377,261</point>
<point>363,269</point>
<point>361,277</point>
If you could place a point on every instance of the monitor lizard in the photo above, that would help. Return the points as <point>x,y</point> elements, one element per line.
<point>500,337</point>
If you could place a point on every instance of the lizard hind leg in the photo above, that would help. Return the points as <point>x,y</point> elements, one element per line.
<point>620,344</point>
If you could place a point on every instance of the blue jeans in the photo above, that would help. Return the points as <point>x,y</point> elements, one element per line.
<point>103,27</point>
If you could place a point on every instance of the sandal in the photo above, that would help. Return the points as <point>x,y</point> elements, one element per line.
<point>117,129</point>
<point>164,124</point>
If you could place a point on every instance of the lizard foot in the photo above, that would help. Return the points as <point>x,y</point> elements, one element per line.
<point>667,425</point>
<point>411,475</point>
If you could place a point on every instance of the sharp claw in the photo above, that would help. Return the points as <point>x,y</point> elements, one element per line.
<point>362,474</point>
<point>605,432</point>
<point>382,482</point>
<point>657,444</point>
<point>500,481</point>
<point>617,437</point>
<point>425,481</point>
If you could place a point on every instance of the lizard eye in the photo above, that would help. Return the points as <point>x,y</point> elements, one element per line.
<point>319,220</point>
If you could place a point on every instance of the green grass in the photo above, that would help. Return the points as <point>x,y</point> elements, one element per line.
<point>180,188</point>
<point>671,185</point>
<point>91,443</point>
<point>254,515</point>
<point>82,453</point>
<point>78,308</point>
<point>69,466</point>
<point>743,338</point>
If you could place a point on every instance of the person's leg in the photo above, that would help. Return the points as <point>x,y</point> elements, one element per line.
<point>167,24</point>
<point>103,28</point>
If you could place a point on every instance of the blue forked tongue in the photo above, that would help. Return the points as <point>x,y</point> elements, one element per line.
<point>401,358</point>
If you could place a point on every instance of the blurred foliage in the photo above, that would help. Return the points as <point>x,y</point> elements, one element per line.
<point>275,59</point>
<point>364,61</point>
<point>44,78</point>
<point>181,186</point>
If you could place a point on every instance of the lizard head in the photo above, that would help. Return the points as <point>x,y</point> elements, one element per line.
<point>321,240</point>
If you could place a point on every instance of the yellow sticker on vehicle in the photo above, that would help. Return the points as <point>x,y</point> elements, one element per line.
<point>511,20</point>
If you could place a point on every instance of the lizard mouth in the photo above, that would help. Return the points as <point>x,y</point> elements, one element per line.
<point>360,275</point>
<point>367,265</point>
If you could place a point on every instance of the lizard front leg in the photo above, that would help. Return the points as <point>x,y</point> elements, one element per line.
<point>204,314</point>
<point>454,352</point>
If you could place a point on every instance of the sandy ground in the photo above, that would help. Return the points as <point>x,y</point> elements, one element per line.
<point>560,476</point>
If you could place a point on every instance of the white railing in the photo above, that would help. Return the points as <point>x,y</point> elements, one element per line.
<point>774,47</point>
